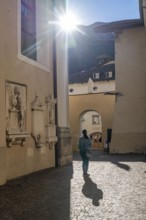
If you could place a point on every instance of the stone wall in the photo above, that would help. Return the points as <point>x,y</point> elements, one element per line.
<point>129,127</point>
<point>26,145</point>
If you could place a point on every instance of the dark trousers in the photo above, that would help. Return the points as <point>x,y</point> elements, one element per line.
<point>85,163</point>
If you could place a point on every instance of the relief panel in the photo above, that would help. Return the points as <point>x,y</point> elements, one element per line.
<point>51,137</point>
<point>15,113</point>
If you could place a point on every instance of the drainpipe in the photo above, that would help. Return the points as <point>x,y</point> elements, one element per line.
<point>143,14</point>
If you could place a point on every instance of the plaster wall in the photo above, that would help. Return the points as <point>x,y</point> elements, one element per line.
<point>17,160</point>
<point>103,104</point>
<point>129,124</point>
<point>85,88</point>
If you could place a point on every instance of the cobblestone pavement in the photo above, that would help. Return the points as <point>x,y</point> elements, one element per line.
<point>115,190</point>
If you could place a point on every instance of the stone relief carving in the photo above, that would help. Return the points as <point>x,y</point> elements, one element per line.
<point>16,105</point>
<point>51,115</point>
<point>51,138</point>
<point>38,126</point>
<point>37,104</point>
<point>15,113</point>
<point>51,102</point>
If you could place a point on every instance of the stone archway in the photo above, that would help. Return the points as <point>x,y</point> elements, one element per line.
<point>91,121</point>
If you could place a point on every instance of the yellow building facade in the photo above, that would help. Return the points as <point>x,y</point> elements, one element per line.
<point>90,105</point>
<point>102,104</point>
<point>34,105</point>
<point>28,104</point>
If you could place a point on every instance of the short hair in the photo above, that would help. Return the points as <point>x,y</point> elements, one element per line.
<point>84,131</point>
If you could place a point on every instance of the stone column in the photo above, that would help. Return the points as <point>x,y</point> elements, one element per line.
<point>2,129</point>
<point>144,11</point>
<point>63,146</point>
<point>2,99</point>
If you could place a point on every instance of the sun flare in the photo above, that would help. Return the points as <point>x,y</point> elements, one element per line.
<point>68,22</point>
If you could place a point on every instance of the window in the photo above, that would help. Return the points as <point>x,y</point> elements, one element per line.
<point>109,74</point>
<point>34,36</point>
<point>95,119</point>
<point>95,88</point>
<point>95,75</point>
<point>71,90</point>
<point>28,28</point>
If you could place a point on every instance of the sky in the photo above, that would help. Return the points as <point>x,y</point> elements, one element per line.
<point>90,11</point>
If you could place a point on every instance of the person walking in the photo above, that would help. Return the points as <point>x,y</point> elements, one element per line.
<point>85,151</point>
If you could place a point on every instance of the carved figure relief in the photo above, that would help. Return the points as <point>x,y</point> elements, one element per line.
<point>50,99</point>
<point>15,114</point>
<point>51,115</point>
<point>15,107</point>
<point>51,137</point>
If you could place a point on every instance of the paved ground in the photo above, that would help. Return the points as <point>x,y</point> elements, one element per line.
<point>115,190</point>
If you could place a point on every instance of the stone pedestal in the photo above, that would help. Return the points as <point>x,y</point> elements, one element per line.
<point>15,138</point>
<point>63,147</point>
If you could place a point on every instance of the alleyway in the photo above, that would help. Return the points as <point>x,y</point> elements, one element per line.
<point>115,190</point>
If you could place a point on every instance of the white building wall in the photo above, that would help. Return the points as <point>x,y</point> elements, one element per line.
<point>87,122</point>
<point>83,88</point>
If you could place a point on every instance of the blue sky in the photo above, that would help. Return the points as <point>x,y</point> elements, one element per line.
<point>90,11</point>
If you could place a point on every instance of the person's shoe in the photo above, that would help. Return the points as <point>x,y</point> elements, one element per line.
<point>86,174</point>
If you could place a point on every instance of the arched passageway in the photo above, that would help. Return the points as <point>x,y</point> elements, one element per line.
<point>91,120</point>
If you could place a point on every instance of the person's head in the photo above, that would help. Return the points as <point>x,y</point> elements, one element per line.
<point>16,90</point>
<point>85,133</point>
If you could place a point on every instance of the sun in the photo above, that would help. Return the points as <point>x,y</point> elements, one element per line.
<point>68,22</point>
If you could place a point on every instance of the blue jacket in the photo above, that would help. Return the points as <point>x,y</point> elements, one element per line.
<point>84,144</point>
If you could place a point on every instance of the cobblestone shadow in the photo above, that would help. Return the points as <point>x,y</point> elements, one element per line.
<point>121,165</point>
<point>91,191</point>
<point>44,195</point>
<point>117,159</point>
<point>61,194</point>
